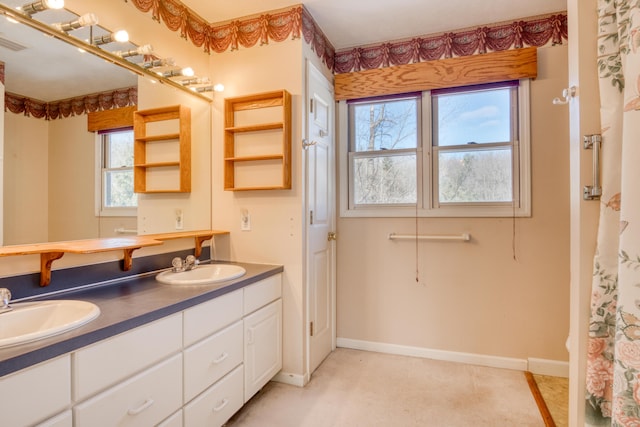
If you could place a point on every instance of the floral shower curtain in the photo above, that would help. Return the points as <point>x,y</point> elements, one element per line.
<point>613,364</point>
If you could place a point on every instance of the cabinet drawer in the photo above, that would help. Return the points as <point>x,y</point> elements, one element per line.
<point>110,361</point>
<point>216,405</point>
<point>204,319</point>
<point>63,420</point>
<point>262,293</point>
<point>211,359</point>
<point>143,400</point>
<point>36,393</point>
<point>174,420</point>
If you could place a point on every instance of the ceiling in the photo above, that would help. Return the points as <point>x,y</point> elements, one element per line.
<point>349,23</point>
<point>346,23</point>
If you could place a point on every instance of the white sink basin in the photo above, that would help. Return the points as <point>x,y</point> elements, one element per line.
<point>202,275</point>
<point>31,321</point>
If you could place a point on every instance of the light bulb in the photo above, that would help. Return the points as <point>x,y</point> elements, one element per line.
<point>188,72</point>
<point>121,36</point>
<point>219,87</point>
<point>54,4</point>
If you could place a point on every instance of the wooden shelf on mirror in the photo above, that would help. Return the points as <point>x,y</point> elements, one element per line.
<point>142,141</point>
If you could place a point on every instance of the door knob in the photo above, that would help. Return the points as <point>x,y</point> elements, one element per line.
<point>332,236</point>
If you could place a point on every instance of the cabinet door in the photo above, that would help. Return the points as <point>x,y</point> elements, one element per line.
<point>262,347</point>
<point>143,400</point>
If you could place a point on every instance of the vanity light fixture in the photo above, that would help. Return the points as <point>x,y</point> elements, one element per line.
<point>200,89</point>
<point>146,49</point>
<point>186,72</point>
<point>157,63</point>
<point>40,5</point>
<point>86,20</point>
<point>120,36</point>
<point>195,81</point>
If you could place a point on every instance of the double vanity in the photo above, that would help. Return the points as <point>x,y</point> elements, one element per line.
<point>177,350</point>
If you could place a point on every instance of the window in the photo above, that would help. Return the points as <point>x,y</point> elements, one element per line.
<point>115,193</point>
<point>454,152</point>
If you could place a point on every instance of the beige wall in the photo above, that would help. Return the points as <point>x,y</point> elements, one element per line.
<point>472,297</point>
<point>71,180</point>
<point>276,216</point>
<point>26,171</point>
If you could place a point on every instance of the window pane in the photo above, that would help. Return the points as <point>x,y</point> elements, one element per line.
<point>386,125</point>
<point>118,189</point>
<point>475,176</point>
<point>473,117</point>
<point>119,149</point>
<point>385,180</point>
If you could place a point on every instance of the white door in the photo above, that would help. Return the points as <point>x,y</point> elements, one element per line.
<point>320,160</point>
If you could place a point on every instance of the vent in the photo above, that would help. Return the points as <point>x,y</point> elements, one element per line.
<point>11,45</point>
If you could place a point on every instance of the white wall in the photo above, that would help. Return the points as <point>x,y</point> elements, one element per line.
<point>472,297</point>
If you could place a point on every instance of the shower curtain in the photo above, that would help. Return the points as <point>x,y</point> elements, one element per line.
<point>613,362</point>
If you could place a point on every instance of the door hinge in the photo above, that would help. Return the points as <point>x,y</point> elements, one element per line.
<point>311,217</point>
<point>311,105</point>
<point>310,328</point>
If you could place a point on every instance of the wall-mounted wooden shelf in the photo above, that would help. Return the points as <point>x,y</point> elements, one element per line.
<point>246,115</point>
<point>199,236</point>
<point>180,167</point>
<point>50,252</point>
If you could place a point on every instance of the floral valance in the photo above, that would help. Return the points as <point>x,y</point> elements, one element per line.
<point>279,25</point>
<point>70,107</point>
<point>534,32</point>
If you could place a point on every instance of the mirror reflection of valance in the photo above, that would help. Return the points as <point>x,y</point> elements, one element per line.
<point>71,107</point>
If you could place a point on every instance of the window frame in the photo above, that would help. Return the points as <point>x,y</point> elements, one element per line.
<point>427,205</point>
<point>353,154</point>
<point>100,209</point>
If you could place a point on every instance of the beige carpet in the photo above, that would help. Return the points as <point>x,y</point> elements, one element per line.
<point>355,388</point>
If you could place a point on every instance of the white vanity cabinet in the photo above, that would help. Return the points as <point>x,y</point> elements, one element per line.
<point>262,333</point>
<point>189,369</point>
<point>36,393</point>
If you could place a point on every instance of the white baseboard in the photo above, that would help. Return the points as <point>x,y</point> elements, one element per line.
<point>449,356</point>
<point>553,368</point>
<point>291,379</point>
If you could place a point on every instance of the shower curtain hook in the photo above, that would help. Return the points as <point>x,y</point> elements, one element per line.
<point>567,94</point>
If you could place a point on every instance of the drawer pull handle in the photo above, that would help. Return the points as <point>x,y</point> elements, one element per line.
<point>142,407</point>
<point>220,359</point>
<point>221,406</point>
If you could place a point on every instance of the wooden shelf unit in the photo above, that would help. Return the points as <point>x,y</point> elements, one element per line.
<point>182,165</point>
<point>234,126</point>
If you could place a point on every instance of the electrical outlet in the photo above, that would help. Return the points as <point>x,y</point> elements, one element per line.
<point>245,221</point>
<point>179,220</point>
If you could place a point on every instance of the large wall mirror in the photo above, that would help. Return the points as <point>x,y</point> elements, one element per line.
<point>50,164</point>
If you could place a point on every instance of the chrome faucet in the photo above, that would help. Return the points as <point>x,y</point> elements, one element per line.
<point>189,263</point>
<point>5,298</point>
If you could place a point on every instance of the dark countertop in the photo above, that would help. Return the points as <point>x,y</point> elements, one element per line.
<point>123,306</point>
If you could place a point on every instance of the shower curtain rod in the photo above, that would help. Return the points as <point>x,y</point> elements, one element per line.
<point>465,237</point>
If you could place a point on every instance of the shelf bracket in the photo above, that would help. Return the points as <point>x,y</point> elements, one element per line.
<point>46,259</point>
<point>128,259</point>
<point>198,244</point>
